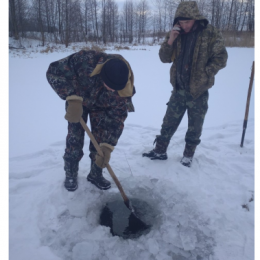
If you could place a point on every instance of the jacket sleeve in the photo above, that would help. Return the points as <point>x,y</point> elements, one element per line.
<point>167,52</point>
<point>218,54</point>
<point>63,74</point>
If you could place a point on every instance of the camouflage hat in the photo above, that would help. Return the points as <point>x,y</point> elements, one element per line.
<point>114,73</point>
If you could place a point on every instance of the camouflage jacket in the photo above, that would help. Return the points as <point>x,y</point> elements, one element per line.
<point>73,76</point>
<point>209,55</point>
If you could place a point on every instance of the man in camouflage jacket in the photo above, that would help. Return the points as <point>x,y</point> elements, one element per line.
<point>99,85</point>
<point>197,52</point>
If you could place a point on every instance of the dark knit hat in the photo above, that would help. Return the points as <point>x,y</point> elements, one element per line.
<point>176,20</point>
<point>115,74</point>
<point>183,18</point>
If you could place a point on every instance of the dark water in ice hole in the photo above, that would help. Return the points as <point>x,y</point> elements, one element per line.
<point>122,223</point>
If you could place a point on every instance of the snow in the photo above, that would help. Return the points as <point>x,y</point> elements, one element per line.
<point>197,211</point>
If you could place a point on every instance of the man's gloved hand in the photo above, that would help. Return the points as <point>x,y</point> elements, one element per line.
<point>74,109</point>
<point>107,149</point>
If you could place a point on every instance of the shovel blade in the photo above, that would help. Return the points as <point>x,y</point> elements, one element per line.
<point>135,225</point>
<point>122,221</point>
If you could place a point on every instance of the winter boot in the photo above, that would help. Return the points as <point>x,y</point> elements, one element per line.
<point>188,155</point>
<point>186,161</point>
<point>71,170</point>
<point>155,156</point>
<point>159,152</point>
<point>95,177</point>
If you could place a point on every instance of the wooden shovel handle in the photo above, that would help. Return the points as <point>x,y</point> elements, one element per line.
<point>93,140</point>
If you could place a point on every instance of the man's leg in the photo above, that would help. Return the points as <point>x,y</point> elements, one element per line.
<point>97,128</point>
<point>173,116</point>
<point>197,110</point>
<point>73,152</point>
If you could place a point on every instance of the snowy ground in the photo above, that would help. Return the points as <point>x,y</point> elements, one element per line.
<point>199,210</point>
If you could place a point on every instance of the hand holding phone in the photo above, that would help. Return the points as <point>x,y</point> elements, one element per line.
<point>174,33</point>
<point>175,28</point>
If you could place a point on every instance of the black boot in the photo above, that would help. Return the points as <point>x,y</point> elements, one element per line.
<point>155,156</point>
<point>159,152</point>
<point>71,170</point>
<point>95,177</point>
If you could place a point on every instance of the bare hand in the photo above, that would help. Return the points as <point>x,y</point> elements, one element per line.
<point>174,34</point>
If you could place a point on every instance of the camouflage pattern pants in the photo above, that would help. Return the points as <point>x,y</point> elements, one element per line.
<point>180,101</point>
<point>76,133</point>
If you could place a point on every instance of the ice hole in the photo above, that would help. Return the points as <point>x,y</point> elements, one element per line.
<point>124,223</point>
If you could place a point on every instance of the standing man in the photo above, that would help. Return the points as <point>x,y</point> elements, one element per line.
<point>197,52</point>
<point>99,85</point>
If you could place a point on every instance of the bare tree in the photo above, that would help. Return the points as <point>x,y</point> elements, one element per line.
<point>251,16</point>
<point>171,9</point>
<point>39,18</point>
<point>203,6</point>
<point>104,35</point>
<point>240,14</point>
<point>142,10</point>
<point>128,20</point>
<point>110,19</point>
<point>67,21</point>
<point>13,19</point>
<point>114,19</point>
<point>18,17</point>
<point>94,10</point>
<point>160,17</point>
<point>245,15</point>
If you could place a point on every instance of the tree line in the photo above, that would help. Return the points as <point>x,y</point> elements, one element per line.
<point>101,21</point>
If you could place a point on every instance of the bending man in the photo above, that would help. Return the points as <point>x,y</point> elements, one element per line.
<point>99,85</point>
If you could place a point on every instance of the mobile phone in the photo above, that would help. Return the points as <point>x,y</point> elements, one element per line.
<point>180,29</point>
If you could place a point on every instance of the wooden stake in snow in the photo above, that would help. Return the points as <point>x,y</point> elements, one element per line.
<point>247,103</point>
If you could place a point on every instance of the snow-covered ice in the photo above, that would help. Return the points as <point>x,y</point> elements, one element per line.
<point>198,211</point>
